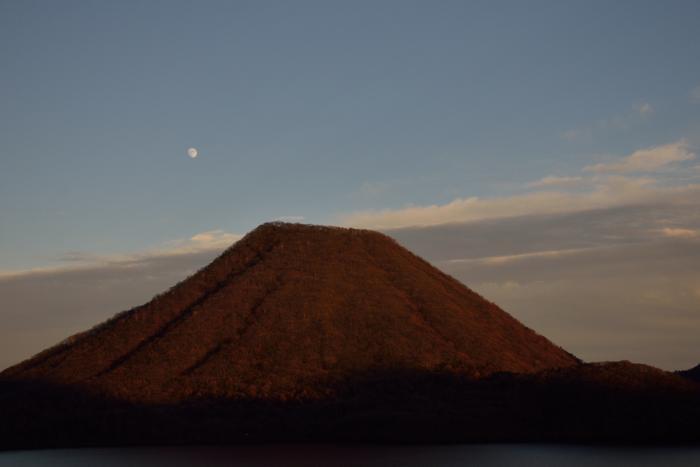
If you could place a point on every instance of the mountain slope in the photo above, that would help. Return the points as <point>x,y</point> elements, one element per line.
<point>286,312</point>
<point>692,373</point>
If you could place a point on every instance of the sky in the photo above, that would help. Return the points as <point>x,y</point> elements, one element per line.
<point>543,152</point>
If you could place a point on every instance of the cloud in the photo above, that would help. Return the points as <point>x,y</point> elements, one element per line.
<point>553,180</point>
<point>635,116</point>
<point>291,219</point>
<point>203,242</point>
<point>647,160</point>
<point>608,269</point>
<point>41,307</point>
<point>497,260</point>
<point>209,240</point>
<point>679,233</point>
<point>602,283</point>
<point>645,109</point>
<point>605,188</point>
<point>606,191</point>
<point>567,232</point>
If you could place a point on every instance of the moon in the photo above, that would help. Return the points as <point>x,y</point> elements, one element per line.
<point>192,152</point>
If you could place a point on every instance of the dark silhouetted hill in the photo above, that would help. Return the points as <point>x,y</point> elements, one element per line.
<point>692,374</point>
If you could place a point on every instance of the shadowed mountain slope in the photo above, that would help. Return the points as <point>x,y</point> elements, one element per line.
<point>287,312</point>
<point>692,374</point>
<point>616,402</point>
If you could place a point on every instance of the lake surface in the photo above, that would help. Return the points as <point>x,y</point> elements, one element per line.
<point>384,456</point>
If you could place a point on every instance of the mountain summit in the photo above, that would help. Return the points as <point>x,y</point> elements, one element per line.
<point>287,311</point>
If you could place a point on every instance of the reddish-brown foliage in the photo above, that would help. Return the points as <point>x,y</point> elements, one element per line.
<point>287,312</point>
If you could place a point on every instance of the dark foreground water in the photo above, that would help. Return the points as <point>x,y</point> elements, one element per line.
<point>384,456</point>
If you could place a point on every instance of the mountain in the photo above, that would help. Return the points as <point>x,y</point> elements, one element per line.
<point>692,374</point>
<point>287,310</point>
<point>308,333</point>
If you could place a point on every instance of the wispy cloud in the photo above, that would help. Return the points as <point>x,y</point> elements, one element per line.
<point>606,284</point>
<point>209,240</point>
<point>607,191</point>
<point>635,116</point>
<point>42,306</point>
<point>645,109</point>
<point>203,242</point>
<point>553,180</point>
<point>647,160</point>
<point>552,194</point>
<point>675,232</point>
<point>291,218</point>
<point>503,259</point>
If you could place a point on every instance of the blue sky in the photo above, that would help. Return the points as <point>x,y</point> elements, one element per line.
<point>314,109</point>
